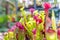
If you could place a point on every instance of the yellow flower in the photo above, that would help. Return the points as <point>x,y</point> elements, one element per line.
<point>11,34</point>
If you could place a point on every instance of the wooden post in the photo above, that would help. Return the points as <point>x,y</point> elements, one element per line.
<point>34,4</point>
<point>7,12</point>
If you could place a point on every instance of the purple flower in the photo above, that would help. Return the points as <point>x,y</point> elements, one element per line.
<point>32,10</point>
<point>13,28</point>
<point>34,31</point>
<point>58,31</point>
<point>38,20</point>
<point>47,5</point>
<point>35,17</point>
<point>19,25</point>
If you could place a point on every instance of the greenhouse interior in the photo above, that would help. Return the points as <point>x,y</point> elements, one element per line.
<point>29,19</point>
